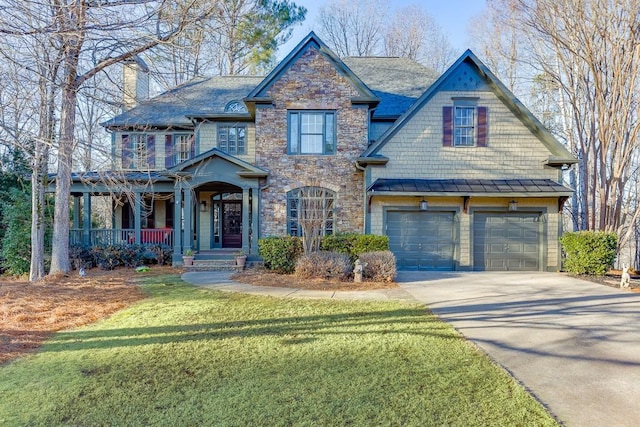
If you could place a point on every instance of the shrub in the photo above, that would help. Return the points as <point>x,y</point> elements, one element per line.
<point>589,252</point>
<point>163,254</point>
<point>15,215</point>
<point>108,257</point>
<point>324,264</point>
<point>353,244</point>
<point>280,253</point>
<point>80,256</point>
<point>379,266</point>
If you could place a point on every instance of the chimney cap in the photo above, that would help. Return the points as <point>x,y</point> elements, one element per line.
<point>138,61</point>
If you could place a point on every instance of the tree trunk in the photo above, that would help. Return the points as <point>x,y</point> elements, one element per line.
<point>36,271</point>
<point>60,243</point>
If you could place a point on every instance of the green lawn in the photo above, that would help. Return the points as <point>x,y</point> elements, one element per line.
<point>188,356</point>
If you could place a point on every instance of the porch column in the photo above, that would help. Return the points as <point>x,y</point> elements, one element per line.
<point>137,215</point>
<point>245,220</point>
<point>76,212</point>
<point>255,219</point>
<point>86,219</point>
<point>188,217</point>
<point>177,226</point>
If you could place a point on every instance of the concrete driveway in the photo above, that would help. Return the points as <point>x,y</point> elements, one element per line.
<point>574,344</point>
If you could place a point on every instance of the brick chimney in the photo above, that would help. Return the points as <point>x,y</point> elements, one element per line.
<point>135,78</point>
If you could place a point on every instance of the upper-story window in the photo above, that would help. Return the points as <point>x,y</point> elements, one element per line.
<point>235,107</point>
<point>184,143</point>
<point>464,124</point>
<point>138,151</point>
<point>178,147</point>
<point>312,132</point>
<point>232,139</point>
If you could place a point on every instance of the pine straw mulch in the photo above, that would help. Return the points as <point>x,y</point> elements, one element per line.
<point>31,312</point>
<point>612,279</point>
<point>262,277</point>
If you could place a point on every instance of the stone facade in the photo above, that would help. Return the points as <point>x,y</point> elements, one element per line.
<point>311,83</point>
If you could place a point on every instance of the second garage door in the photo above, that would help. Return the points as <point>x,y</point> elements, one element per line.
<point>422,240</point>
<point>506,241</point>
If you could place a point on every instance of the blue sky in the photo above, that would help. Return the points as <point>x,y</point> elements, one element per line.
<point>452,15</point>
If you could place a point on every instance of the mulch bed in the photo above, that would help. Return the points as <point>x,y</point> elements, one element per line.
<point>31,312</point>
<point>612,279</point>
<point>262,277</point>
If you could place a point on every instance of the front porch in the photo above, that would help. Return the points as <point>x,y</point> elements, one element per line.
<point>208,203</point>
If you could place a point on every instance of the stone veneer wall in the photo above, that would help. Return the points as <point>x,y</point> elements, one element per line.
<point>311,83</point>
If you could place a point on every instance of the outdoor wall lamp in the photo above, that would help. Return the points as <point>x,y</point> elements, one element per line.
<point>203,206</point>
<point>513,205</point>
<point>423,205</point>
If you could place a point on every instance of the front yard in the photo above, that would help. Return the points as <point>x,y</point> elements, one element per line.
<point>187,356</point>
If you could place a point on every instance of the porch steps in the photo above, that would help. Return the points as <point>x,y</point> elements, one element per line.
<point>212,265</point>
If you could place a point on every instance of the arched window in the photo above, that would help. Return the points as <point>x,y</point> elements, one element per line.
<point>235,107</point>
<point>310,210</point>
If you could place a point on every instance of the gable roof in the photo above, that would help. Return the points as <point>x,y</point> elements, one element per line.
<point>559,154</point>
<point>199,97</point>
<point>311,40</point>
<point>249,169</point>
<point>398,82</point>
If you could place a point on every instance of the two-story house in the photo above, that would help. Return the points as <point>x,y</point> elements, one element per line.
<point>454,169</point>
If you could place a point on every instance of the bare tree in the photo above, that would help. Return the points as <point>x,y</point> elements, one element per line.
<point>353,28</point>
<point>240,36</point>
<point>314,216</point>
<point>590,51</point>
<point>92,36</point>
<point>413,33</point>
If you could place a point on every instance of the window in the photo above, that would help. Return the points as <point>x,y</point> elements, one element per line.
<point>232,139</point>
<point>310,210</point>
<point>183,148</point>
<point>178,148</point>
<point>235,107</point>
<point>463,126</point>
<point>312,132</point>
<point>138,151</point>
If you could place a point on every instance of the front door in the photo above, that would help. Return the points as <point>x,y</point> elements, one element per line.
<point>232,224</point>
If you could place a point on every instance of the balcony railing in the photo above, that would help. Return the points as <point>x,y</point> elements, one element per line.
<point>112,236</point>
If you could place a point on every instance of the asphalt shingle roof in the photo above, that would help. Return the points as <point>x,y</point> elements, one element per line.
<point>398,82</point>
<point>467,186</point>
<point>116,176</point>
<point>197,97</point>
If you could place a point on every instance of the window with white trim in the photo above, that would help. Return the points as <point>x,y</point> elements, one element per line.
<point>183,144</point>
<point>312,132</point>
<point>463,126</point>
<point>138,151</point>
<point>232,139</point>
<point>310,210</point>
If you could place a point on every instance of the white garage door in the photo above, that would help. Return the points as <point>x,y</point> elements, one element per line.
<point>421,240</point>
<point>504,241</point>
